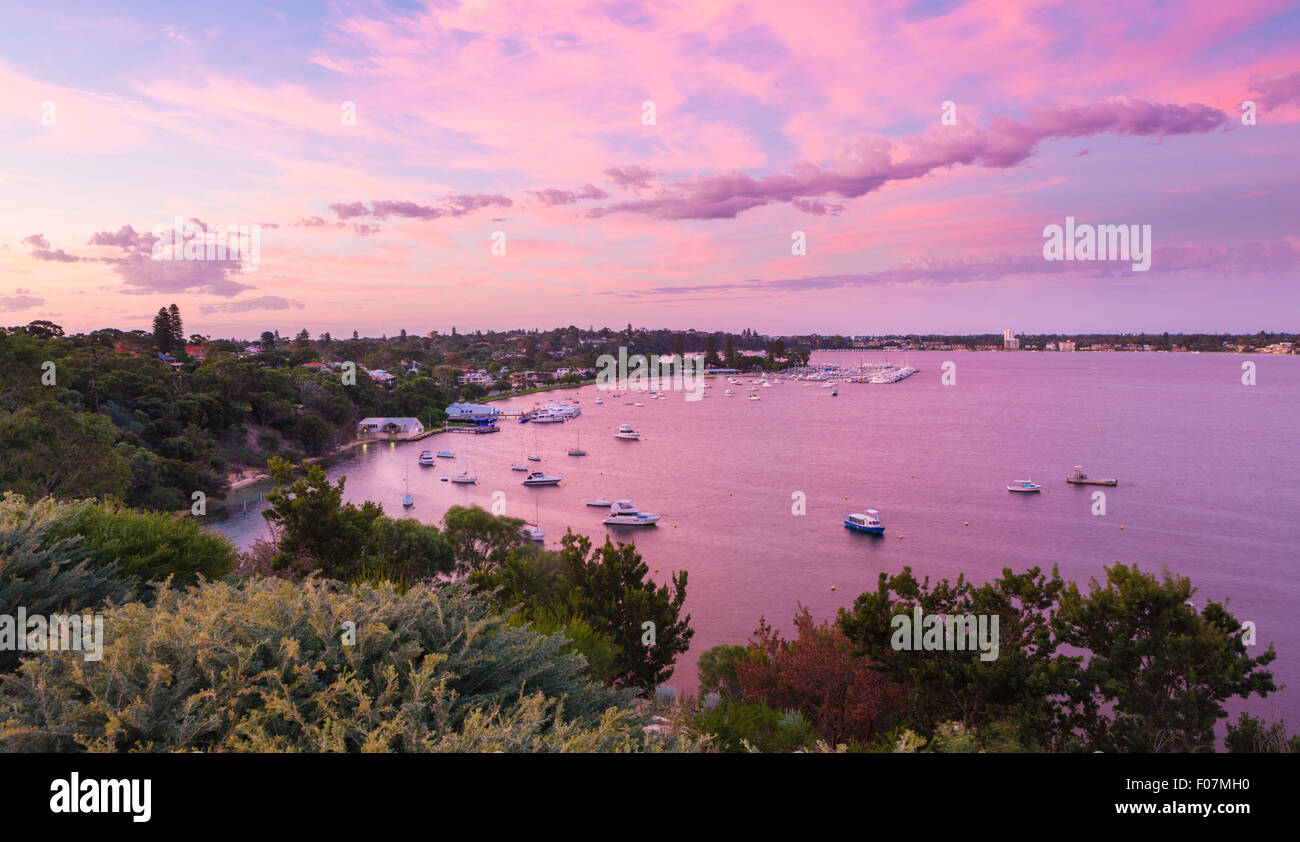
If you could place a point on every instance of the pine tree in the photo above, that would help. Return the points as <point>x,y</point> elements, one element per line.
<point>177,328</point>
<point>162,330</point>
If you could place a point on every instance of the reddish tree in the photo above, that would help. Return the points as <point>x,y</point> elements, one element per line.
<point>818,675</point>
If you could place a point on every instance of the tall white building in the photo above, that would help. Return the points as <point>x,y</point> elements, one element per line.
<point>1009,340</point>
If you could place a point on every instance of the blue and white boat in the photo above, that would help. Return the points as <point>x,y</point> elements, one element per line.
<point>446,454</point>
<point>868,522</point>
<point>1024,486</point>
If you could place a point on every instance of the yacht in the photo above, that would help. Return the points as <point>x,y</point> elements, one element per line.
<point>623,513</point>
<point>532,532</point>
<point>426,458</point>
<point>539,478</point>
<point>754,398</point>
<point>729,392</point>
<point>408,501</point>
<point>868,522</point>
<point>446,454</point>
<point>600,400</point>
<point>1024,486</point>
<point>533,458</point>
<point>518,467</point>
<point>626,432</point>
<point>465,477</point>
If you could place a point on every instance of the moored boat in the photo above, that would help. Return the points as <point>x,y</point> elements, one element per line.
<point>1080,478</point>
<point>539,478</point>
<point>623,513</point>
<point>1024,486</point>
<point>868,522</point>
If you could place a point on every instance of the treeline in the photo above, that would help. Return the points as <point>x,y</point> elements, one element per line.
<point>1124,665</point>
<point>101,415</point>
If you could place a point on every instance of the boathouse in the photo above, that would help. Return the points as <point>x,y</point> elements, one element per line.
<point>389,428</point>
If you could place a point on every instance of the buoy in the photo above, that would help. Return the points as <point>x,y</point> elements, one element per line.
<point>1121,527</point>
<point>900,537</point>
<point>967,523</point>
<point>832,587</point>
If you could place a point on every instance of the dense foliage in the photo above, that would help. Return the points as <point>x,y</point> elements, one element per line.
<point>269,665</point>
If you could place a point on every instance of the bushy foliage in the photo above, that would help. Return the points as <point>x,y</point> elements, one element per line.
<point>43,573</point>
<point>1252,735</point>
<point>844,696</point>
<point>147,546</point>
<point>314,530</point>
<point>740,727</point>
<point>265,666</point>
<point>607,587</point>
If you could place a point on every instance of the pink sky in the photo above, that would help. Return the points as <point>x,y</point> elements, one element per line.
<point>770,118</point>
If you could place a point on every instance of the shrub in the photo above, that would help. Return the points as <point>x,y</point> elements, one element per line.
<point>147,546</point>
<point>45,574</point>
<point>264,666</point>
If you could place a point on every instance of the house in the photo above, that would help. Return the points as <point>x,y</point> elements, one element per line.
<point>381,376</point>
<point>480,378</point>
<point>389,428</point>
<point>471,412</point>
<point>196,352</point>
<point>315,366</point>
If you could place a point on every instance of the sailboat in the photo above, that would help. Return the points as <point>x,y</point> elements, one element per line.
<point>532,531</point>
<point>600,502</point>
<point>520,466</point>
<point>408,501</point>
<point>533,457</point>
<point>577,450</point>
<point>467,476</point>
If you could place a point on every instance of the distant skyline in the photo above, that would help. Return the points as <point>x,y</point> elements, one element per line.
<point>532,120</point>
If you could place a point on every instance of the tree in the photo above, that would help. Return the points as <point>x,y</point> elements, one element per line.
<point>819,675</point>
<point>1018,685</point>
<point>1158,671</point>
<point>37,448</point>
<point>177,338</point>
<point>711,359</point>
<point>480,539</point>
<point>608,586</point>
<point>162,330</point>
<point>313,528</point>
<point>729,353</point>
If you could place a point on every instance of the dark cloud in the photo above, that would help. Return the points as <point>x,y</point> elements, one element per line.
<point>265,302</point>
<point>630,176</point>
<point>868,164</point>
<point>552,196</point>
<point>20,300</point>
<point>454,205</point>
<point>1273,91</point>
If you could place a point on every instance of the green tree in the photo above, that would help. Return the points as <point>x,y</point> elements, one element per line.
<point>480,539</point>
<point>1158,671</point>
<point>50,448</point>
<point>312,527</point>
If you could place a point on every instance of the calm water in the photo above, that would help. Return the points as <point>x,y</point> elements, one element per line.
<point>1206,468</point>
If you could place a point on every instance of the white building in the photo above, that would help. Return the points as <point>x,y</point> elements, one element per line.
<point>391,428</point>
<point>470,412</point>
<point>1009,340</point>
<point>1066,345</point>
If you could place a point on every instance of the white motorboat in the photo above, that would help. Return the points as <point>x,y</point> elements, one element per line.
<point>626,433</point>
<point>518,467</point>
<point>623,513</point>
<point>754,398</point>
<point>1024,486</point>
<point>600,400</point>
<point>426,458</point>
<point>539,478</point>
